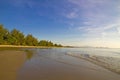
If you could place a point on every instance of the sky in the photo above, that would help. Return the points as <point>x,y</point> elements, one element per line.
<point>69,22</point>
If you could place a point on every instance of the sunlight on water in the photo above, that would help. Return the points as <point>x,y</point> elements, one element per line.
<point>107,58</point>
<point>97,51</point>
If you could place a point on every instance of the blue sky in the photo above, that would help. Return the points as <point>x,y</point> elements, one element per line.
<point>69,22</point>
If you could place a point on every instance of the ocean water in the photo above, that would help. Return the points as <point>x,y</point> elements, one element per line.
<point>107,58</point>
<point>108,52</point>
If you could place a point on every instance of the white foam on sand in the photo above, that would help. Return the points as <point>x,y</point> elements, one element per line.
<point>106,59</point>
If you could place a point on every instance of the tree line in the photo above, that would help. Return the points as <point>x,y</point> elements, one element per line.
<point>15,37</point>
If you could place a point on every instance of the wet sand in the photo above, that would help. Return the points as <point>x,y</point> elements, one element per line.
<point>10,63</point>
<point>108,62</point>
<point>56,65</point>
<point>50,64</point>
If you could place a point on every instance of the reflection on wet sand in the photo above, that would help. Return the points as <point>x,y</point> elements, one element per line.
<point>10,63</point>
<point>53,64</point>
<point>29,54</point>
<point>49,64</point>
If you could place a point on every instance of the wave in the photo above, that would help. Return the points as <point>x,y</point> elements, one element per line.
<point>109,62</point>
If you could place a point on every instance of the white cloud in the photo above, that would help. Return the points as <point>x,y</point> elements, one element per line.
<point>88,3</point>
<point>99,16</point>
<point>118,29</point>
<point>93,30</point>
<point>72,15</point>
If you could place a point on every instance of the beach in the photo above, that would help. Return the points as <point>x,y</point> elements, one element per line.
<point>50,64</point>
<point>10,63</point>
<point>110,62</point>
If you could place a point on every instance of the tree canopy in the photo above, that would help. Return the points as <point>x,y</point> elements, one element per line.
<point>16,37</point>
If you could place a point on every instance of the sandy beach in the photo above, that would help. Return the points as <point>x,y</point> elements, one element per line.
<point>50,64</point>
<point>10,63</point>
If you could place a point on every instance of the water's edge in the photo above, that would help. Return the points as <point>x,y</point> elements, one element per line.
<point>98,60</point>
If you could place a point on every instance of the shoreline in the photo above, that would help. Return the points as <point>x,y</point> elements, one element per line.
<point>19,46</point>
<point>99,60</point>
<point>60,67</point>
<point>109,63</point>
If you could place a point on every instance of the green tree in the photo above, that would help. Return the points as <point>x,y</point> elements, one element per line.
<point>3,35</point>
<point>31,41</point>
<point>57,45</point>
<point>50,43</point>
<point>43,43</point>
<point>16,37</point>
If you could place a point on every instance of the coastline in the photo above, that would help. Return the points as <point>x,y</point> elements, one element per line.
<point>60,67</point>
<point>19,46</point>
<point>109,63</point>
